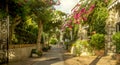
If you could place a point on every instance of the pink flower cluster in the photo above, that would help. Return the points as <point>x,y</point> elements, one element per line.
<point>80,15</point>
<point>91,8</point>
<point>67,25</point>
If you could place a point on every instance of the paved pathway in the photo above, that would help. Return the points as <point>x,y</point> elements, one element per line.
<point>55,57</point>
<point>52,57</point>
<point>89,60</point>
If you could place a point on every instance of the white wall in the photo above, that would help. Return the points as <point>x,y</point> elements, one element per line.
<point>20,53</point>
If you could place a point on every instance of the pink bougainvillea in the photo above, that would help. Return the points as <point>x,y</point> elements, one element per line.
<point>83,13</point>
<point>83,10</point>
<point>76,16</point>
<point>91,8</point>
<point>80,15</point>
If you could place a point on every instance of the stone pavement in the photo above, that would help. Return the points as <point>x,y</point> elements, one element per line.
<point>56,56</point>
<point>88,60</point>
<point>52,57</point>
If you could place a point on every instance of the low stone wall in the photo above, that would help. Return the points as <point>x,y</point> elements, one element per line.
<point>20,53</point>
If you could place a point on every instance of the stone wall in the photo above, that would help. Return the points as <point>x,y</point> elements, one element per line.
<point>113,19</point>
<point>17,54</point>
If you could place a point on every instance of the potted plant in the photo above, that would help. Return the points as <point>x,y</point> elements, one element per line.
<point>35,53</point>
<point>97,42</point>
<point>116,41</point>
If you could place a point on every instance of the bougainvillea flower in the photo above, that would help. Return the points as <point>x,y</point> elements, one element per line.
<point>79,14</point>
<point>76,16</point>
<point>83,10</point>
<point>92,7</point>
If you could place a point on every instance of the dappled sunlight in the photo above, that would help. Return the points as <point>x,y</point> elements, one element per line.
<point>89,60</point>
<point>57,63</point>
<point>12,55</point>
<point>60,32</point>
<point>84,54</point>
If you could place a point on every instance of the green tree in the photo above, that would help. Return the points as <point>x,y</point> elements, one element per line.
<point>16,9</point>
<point>42,13</point>
<point>53,26</point>
<point>98,17</point>
<point>29,31</point>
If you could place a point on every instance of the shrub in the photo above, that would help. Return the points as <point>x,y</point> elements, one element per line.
<point>116,41</point>
<point>45,49</point>
<point>53,41</point>
<point>35,51</point>
<point>81,46</point>
<point>97,41</point>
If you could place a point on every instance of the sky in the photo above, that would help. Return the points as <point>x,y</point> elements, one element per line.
<point>66,5</point>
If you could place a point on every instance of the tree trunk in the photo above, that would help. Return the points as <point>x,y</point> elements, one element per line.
<point>12,28</point>
<point>40,28</point>
<point>44,43</point>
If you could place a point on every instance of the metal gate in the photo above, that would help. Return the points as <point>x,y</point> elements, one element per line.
<point>4,35</point>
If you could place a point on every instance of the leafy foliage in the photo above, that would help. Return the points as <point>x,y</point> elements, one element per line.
<point>40,10</point>
<point>116,41</point>
<point>53,41</point>
<point>3,14</point>
<point>81,46</point>
<point>54,22</point>
<point>25,37</point>
<point>97,18</point>
<point>97,41</point>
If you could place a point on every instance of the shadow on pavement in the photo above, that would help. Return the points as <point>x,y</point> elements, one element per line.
<point>53,61</point>
<point>96,60</point>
